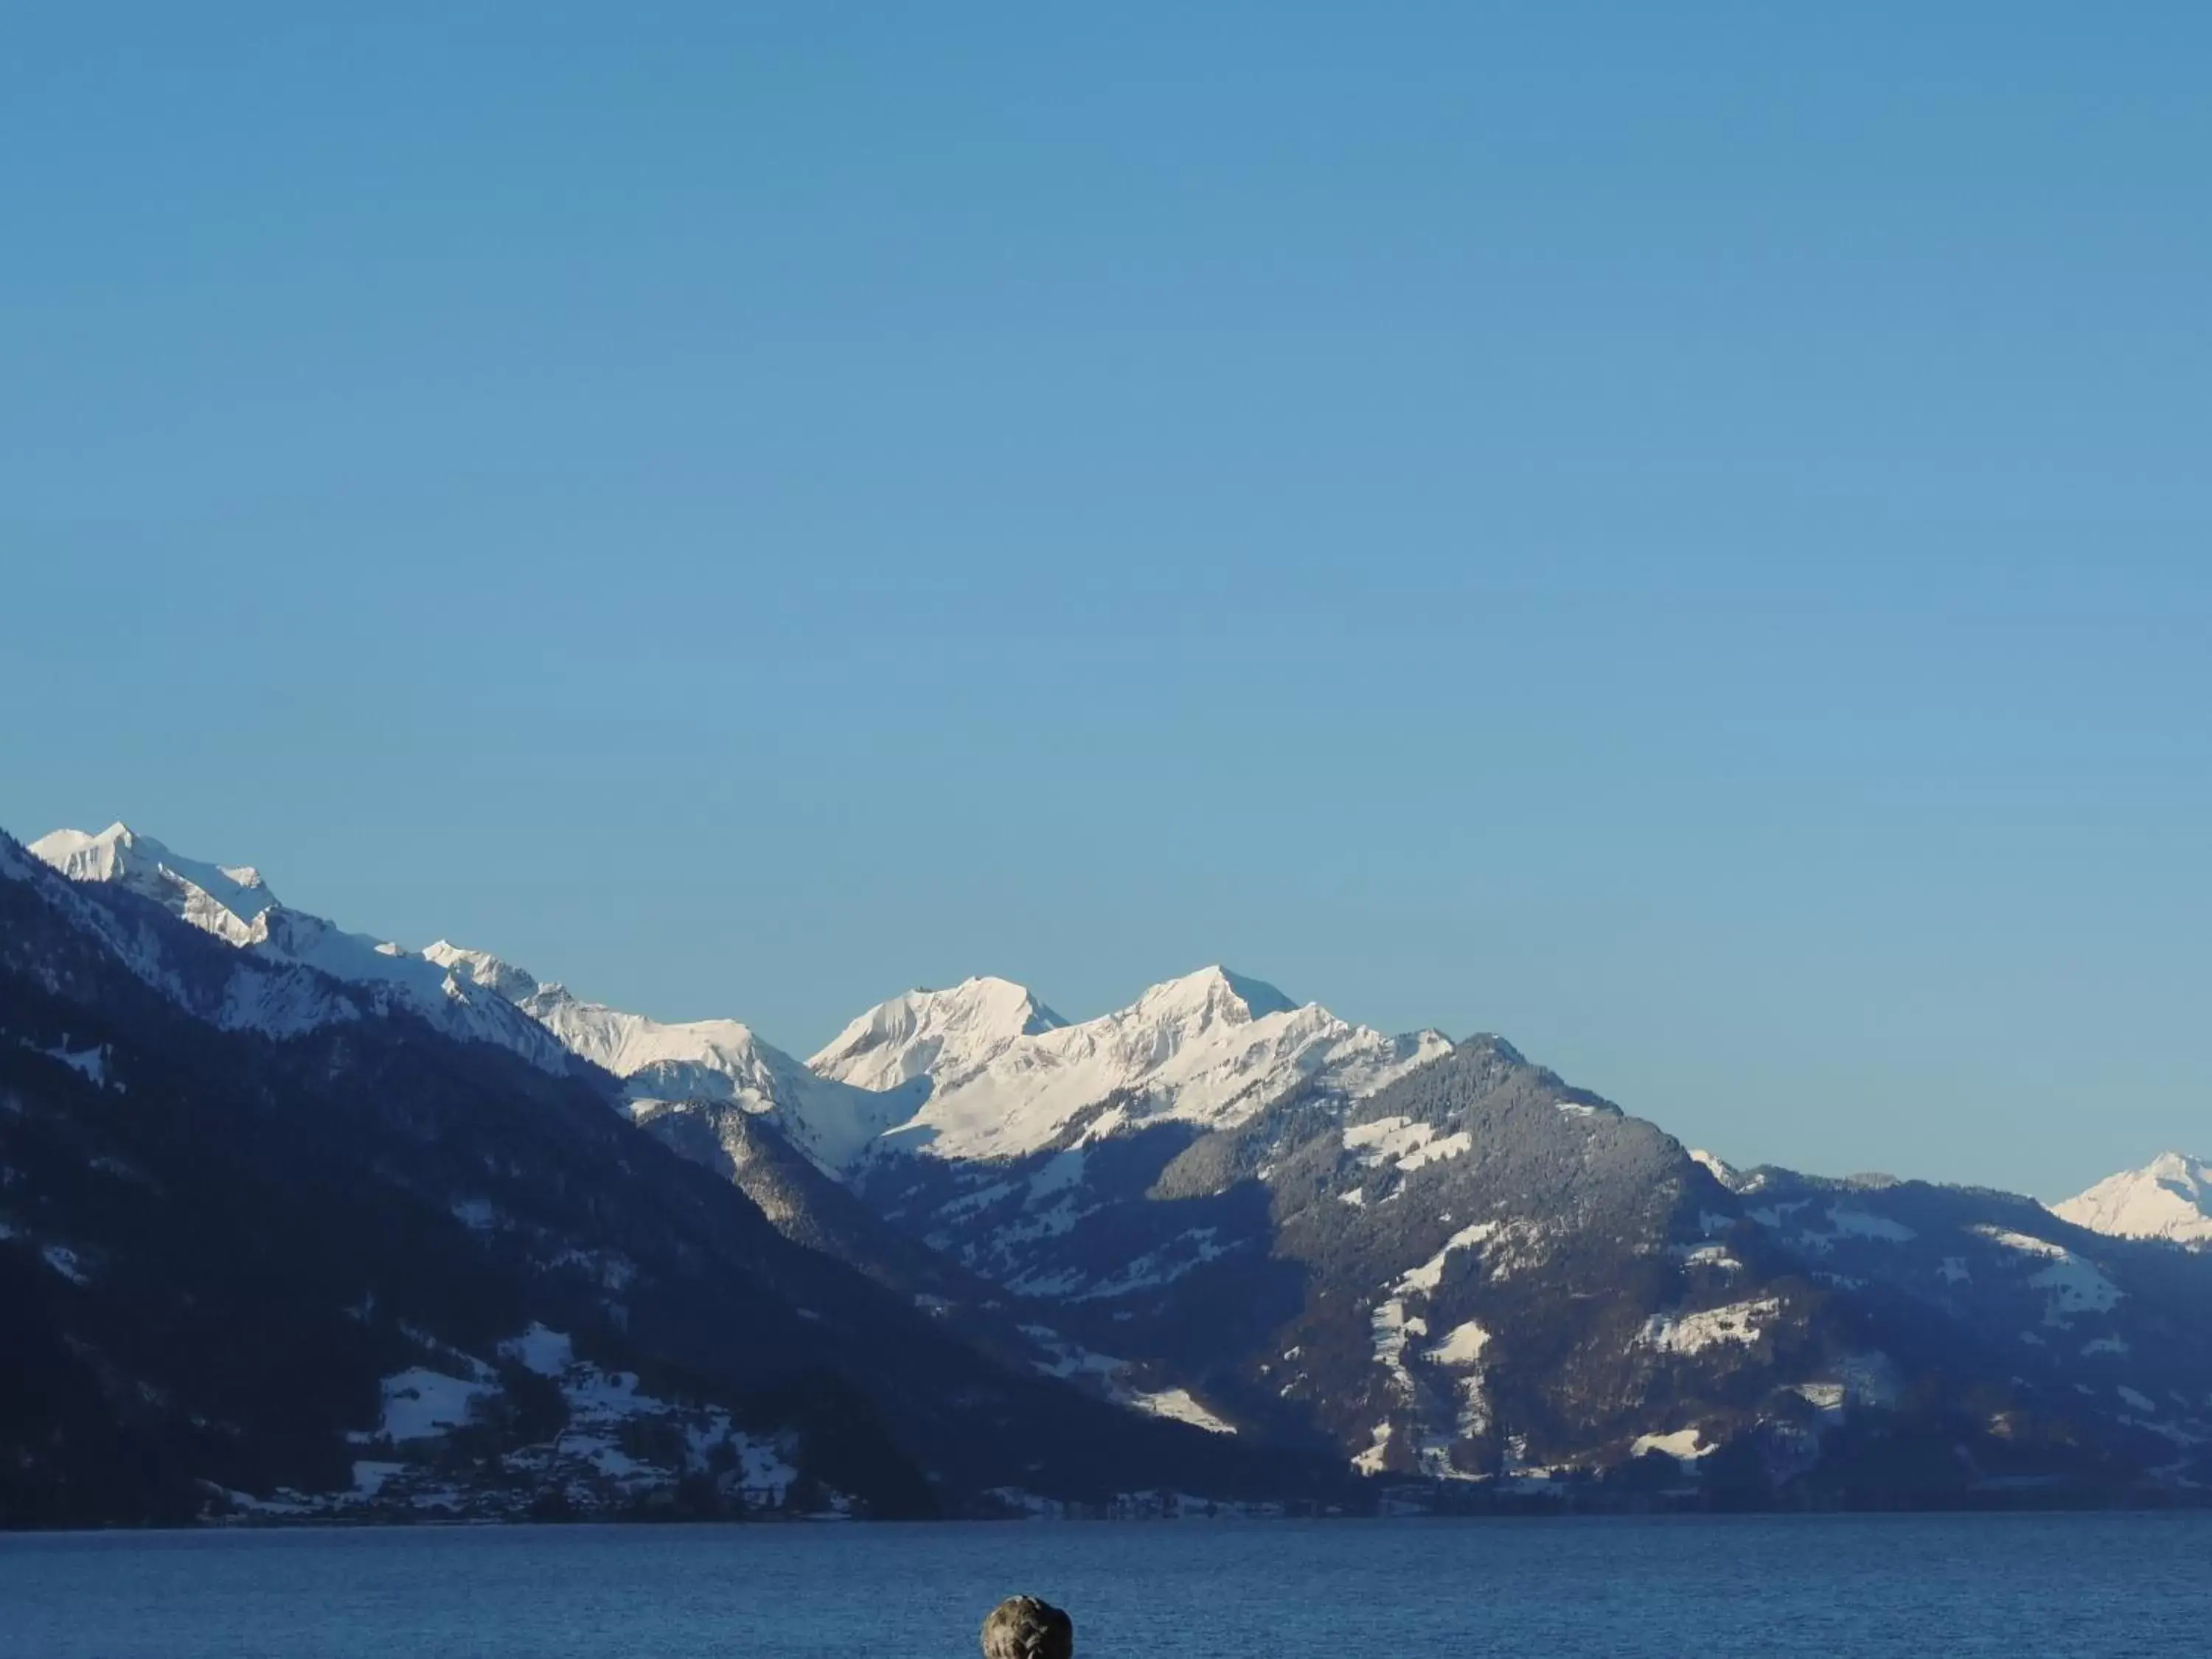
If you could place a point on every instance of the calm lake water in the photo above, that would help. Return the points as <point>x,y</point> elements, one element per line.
<point>2075,1585</point>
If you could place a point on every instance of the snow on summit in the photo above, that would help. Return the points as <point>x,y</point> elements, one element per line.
<point>223,900</point>
<point>927,1033</point>
<point>981,1069</point>
<point>1210,1048</point>
<point>2170,1197</point>
<point>234,904</point>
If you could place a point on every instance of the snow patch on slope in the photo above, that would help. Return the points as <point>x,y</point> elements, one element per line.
<point>2074,1285</point>
<point>1391,1327</point>
<point>1685,1446</point>
<point>597,1460</point>
<point>1111,1377</point>
<point>1403,1143</point>
<point>1739,1323</point>
<point>1461,1345</point>
<point>419,1403</point>
<point>90,1064</point>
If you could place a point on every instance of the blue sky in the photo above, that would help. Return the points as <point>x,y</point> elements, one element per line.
<point>1677,534</point>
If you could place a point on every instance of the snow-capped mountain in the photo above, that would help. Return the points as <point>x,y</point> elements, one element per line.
<point>234,904</point>
<point>2170,1197</point>
<point>715,1059</point>
<point>984,1069</point>
<point>1006,1077</point>
<point>226,901</point>
<point>935,1034</point>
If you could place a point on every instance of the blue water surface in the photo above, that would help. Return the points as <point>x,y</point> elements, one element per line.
<point>2013,1585</point>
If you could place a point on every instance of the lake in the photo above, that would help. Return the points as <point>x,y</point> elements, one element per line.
<point>2079,1586</point>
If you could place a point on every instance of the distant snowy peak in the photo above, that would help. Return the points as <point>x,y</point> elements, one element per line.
<point>234,903</point>
<point>932,1033</point>
<point>2170,1197</point>
<point>226,900</point>
<point>1212,1047</point>
<point>1212,995</point>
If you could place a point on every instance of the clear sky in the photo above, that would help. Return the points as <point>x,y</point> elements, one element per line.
<point>1676,533</point>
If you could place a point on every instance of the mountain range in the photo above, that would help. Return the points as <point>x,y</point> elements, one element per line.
<point>299,1222</point>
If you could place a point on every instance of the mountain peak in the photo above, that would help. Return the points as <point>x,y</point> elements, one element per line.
<point>1215,991</point>
<point>933,1032</point>
<point>232,902</point>
<point>227,900</point>
<point>2170,1197</point>
<point>987,994</point>
<point>84,856</point>
<point>1212,1046</point>
<point>482,967</point>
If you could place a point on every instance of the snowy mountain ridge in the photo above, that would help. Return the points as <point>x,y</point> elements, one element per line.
<point>1440,1260</point>
<point>224,901</point>
<point>234,904</point>
<point>2170,1197</point>
<point>720,1059</point>
<point>1212,1047</point>
<point>935,1034</point>
<point>983,1069</point>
